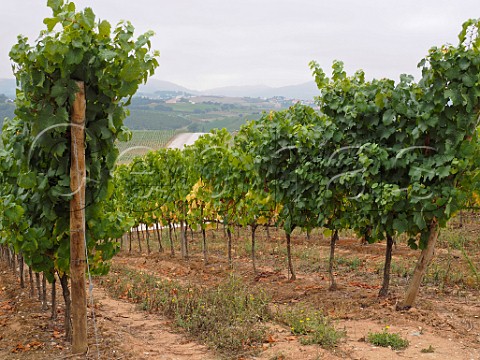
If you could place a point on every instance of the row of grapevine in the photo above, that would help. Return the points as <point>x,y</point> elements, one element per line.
<point>381,158</point>
<point>35,185</point>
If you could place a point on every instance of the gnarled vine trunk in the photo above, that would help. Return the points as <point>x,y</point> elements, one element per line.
<point>204,239</point>
<point>13,258</point>
<point>422,264</point>
<point>30,278</point>
<point>139,240</point>
<point>147,234</point>
<point>159,237</point>
<point>170,236</point>
<point>253,229</point>
<point>187,251</point>
<point>129,241</point>
<point>68,302</point>
<point>37,284</point>
<point>54,298</point>
<point>22,272</point>
<point>386,269</point>
<point>183,240</point>
<point>44,292</point>
<point>289,256</point>
<point>331,263</point>
<point>229,247</point>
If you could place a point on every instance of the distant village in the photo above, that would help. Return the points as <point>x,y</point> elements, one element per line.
<point>175,97</point>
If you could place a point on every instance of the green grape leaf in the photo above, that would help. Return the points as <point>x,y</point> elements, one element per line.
<point>27,180</point>
<point>104,28</point>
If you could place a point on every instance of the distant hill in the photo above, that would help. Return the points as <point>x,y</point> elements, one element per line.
<point>7,87</point>
<point>154,85</point>
<point>305,91</point>
<point>239,91</point>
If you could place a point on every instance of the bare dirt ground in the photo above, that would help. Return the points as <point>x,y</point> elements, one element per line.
<point>446,318</point>
<point>183,139</point>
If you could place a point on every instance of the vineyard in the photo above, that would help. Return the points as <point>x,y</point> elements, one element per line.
<point>293,231</point>
<point>143,141</point>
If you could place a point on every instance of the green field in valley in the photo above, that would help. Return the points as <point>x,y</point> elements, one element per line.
<point>198,113</point>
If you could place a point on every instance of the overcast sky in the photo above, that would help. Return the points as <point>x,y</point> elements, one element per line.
<point>213,43</point>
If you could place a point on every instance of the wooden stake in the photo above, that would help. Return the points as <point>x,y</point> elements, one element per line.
<point>77,223</point>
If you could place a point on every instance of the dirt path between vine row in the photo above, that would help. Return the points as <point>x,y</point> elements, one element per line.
<point>183,139</point>
<point>140,335</point>
<point>451,330</point>
<point>448,325</point>
<point>122,331</point>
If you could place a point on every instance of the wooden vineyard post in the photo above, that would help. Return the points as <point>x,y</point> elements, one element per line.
<point>77,223</point>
